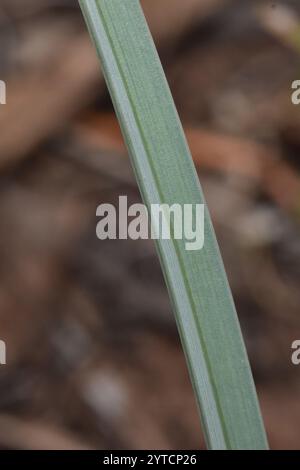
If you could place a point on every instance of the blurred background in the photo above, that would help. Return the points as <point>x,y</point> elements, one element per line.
<point>93,355</point>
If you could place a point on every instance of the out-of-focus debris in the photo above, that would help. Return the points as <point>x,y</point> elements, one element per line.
<point>282,21</point>
<point>93,356</point>
<point>170,18</point>
<point>30,435</point>
<point>40,104</point>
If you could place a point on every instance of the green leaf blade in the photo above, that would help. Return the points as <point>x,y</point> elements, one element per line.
<point>196,280</point>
